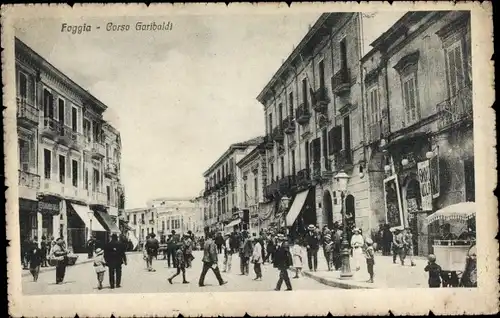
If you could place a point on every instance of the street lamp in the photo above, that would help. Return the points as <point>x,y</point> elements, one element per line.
<point>91,216</point>
<point>285,203</point>
<point>346,273</point>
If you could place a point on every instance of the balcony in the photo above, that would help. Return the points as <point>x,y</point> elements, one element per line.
<point>341,83</point>
<point>51,128</point>
<point>111,170</point>
<point>98,150</point>
<point>455,109</point>
<point>268,142</point>
<point>323,120</point>
<point>302,114</point>
<point>68,137</point>
<point>343,160</point>
<point>320,100</point>
<point>27,113</point>
<point>98,198</point>
<point>29,184</point>
<point>278,135</point>
<point>285,184</point>
<point>271,190</point>
<point>289,125</point>
<point>303,179</point>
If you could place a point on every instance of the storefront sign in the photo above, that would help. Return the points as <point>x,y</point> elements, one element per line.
<point>434,168</point>
<point>393,209</point>
<point>48,207</point>
<point>424,177</point>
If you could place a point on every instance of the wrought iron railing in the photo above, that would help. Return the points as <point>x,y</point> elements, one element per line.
<point>26,110</point>
<point>29,180</point>
<point>456,108</point>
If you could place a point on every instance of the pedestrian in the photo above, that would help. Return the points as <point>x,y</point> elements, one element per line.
<point>188,250</point>
<point>219,240</point>
<point>99,267</point>
<point>171,249</point>
<point>180,256</point>
<point>434,271</point>
<point>257,258</point>
<point>270,249</point>
<point>35,256</point>
<point>25,247</point>
<point>115,257</point>
<point>152,246</point>
<point>247,252</point>
<point>370,258</point>
<point>90,247</point>
<point>337,241</point>
<point>210,261</point>
<point>228,254</point>
<point>59,255</point>
<point>328,251</point>
<point>408,245</point>
<point>312,240</point>
<point>386,240</point>
<point>282,261</point>
<point>357,243</point>
<point>44,248</point>
<point>298,257</point>
<point>397,246</point>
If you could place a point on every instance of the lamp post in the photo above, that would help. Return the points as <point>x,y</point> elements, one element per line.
<point>346,273</point>
<point>91,217</point>
<point>285,203</point>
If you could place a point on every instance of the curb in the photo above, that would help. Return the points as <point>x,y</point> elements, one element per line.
<point>338,283</point>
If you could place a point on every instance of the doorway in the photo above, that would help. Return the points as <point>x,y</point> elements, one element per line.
<point>327,210</point>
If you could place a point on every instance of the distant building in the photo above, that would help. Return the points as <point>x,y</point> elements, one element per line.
<point>174,214</point>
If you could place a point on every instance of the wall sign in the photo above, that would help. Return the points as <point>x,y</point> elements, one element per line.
<point>392,197</point>
<point>424,177</point>
<point>48,207</point>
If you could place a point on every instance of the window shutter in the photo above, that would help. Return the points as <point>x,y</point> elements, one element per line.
<point>337,139</point>
<point>452,72</point>
<point>330,142</point>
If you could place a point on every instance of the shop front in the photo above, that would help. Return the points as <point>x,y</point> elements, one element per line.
<point>28,219</point>
<point>108,223</point>
<point>81,224</point>
<point>52,220</point>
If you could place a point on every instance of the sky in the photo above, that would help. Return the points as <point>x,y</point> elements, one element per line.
<point>178,98</point>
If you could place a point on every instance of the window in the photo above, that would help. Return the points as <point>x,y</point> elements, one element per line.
<point>135,219</point>
<point>62,169</point>
<point>142,218</point>
<point>61,110</point>
<point>163,226</point>
<point>304,91</point>
<point>293,162</point>
<point>74,119</point>
<point>455,68</point>
<point>86,181</point>
<point>410,98</point>
<point>343,54</point>
<point>373,105</point>
<point>74,173</point>
<point>316,150</point>
<point>86,130</point>
<point>324,137</point>
<point>152,216</point>
<point>321,67</point>
<point>255,188</point>
<point>95,183</point>
<point>245,193</point>
<point>347,138</point>
<point>290,103</point>
<point>470,186</point>
<point>282,167</point>
<point>306,146</point>
<point>108,194</point>
<point>280,109</point>
<point>48,104</point>
<point>24,154</point>
<point>107,152</point>
<point>23,85</point>
<point>270,122</point>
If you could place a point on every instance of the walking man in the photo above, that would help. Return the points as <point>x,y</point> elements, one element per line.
<point>282,260</point>
<point>114,256</point>
<point>210,261</point>
<point>90,247</point>
<point>228,254</point>
<point>152,246</point>
<point>312,241</point>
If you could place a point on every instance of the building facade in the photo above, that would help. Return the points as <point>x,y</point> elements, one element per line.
<point>223,184</point>
<point>61,155</point>
<point>199,203</point>
<point>254,173</point>
<point>418,116</point>
<point>140,222</point>
<point>314,129</point>
<point>174,214</point>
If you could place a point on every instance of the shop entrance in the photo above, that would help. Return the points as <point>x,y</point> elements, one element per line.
<point>327,210</point>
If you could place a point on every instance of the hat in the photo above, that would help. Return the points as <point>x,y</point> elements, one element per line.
<point>99,251</point>
<point>311,227</point>
<point>368,241</point>
<point>280,236</point>
<point>328,237</point>
<point>356,230</point>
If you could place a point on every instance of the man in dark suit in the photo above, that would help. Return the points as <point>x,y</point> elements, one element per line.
<point>114,256</point>
<point>282,260</point>
<point>210,261</point>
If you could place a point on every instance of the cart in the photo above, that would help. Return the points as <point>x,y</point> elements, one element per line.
<point>452,254</point>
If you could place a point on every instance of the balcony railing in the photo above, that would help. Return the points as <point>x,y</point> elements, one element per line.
<point>285,184</point>
<point>278,134</point>
<point>323,120</point>
<point>289,125</point>
<point>374,131</point>
<point>268,142</point>
<point>111,169</point>
<point>303,178</point>
<point>320,100</point>
<point>69,137</point>
<point>98,149</point>
<point>51,126</point>
<point>456,108</point>
<point>271,189</point>
<point>302,114</point>
<point>341,81</point>
<point>343,159</point>
<point>26,112</point>
<point>29,180</point>
<point>98,198</point>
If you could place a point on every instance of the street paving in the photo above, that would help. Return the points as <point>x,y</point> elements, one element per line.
<point>81,279</point>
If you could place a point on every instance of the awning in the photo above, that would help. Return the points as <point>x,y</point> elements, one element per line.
<point>133,239</point>
<point>297,205</point>
<point>108,222</point>
<point>233,223</point>
<point>83,213</point>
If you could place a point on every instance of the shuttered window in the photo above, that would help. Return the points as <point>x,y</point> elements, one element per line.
<point>335,140</point>
<point>455,71</point>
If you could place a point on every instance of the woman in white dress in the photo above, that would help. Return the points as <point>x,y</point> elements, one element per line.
<point>357,243</point>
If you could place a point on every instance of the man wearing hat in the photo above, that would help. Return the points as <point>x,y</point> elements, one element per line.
<point>312,241</point>
<point>408,245</point>
<point>282,260</point>
<point>397,245</point>
<point>114,256</point>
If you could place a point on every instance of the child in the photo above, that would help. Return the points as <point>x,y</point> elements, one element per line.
<point>99,266</point>
<point>328,251</point>
<point>297,254</point>
<point>180,262</point>
<point>370,258</point>
<point>35,260</point>
<point>434,272</point>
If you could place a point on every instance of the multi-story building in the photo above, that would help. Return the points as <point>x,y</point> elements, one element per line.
<point>313,118</point>
<point>60,141</point>
<point>141,222</point>
<point>199,203</point>
<point>418,120</point>
<point>174,214</point>
<point>223,183</point>
<point>254,173</point>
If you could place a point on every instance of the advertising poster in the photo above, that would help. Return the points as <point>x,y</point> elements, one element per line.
<point>424,177</point>
<point>393,208</point>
